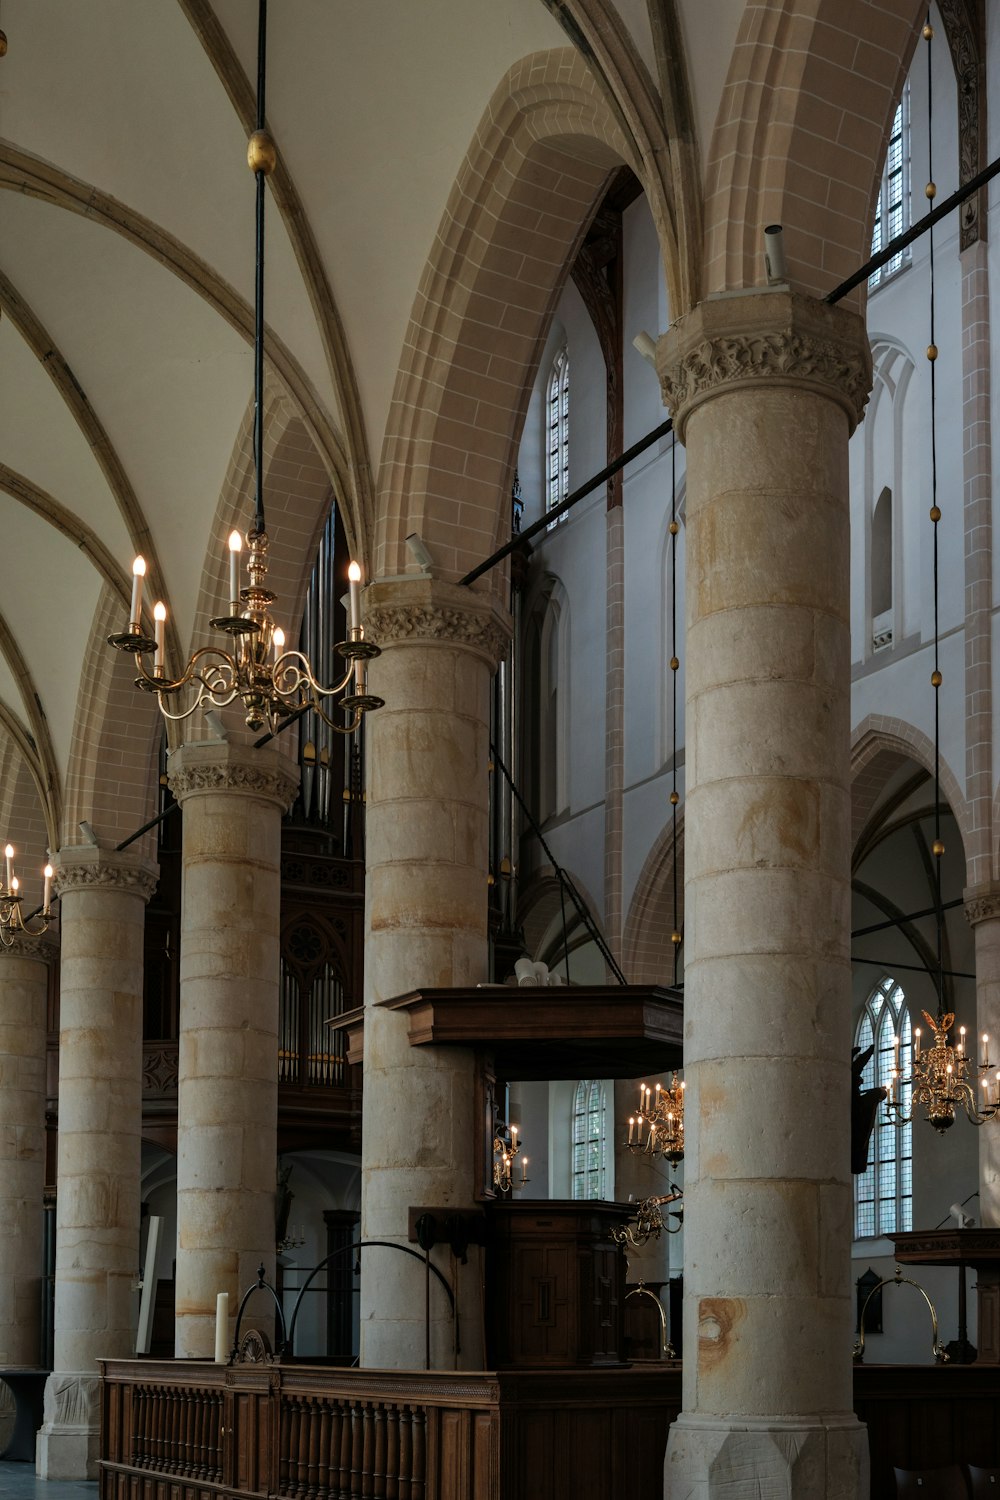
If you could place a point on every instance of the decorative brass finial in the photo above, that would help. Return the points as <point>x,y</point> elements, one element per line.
<point>262,154</point>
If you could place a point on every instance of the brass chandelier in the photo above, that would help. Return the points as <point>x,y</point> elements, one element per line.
<point>13,922</point>
<point>657,1127</point>
<point>272,683</point>
<point>942,1079</point>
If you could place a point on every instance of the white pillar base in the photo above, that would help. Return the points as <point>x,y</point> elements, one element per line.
<point>820,1458</point>
<point>68,1443</point>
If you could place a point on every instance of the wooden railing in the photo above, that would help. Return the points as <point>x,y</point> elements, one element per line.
<point>195,1430</point>
<point>177,1430</point>
<point>308,1433</point>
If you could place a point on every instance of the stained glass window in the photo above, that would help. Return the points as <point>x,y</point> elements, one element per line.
<point>883,1193</point>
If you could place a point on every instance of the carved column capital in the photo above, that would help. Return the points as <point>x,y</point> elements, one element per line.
<point>208,767</point>
<point>42,947</point>
<point>427,611</point>
<point>982,902</point>
<point>82,867</point>
<point>772,338</point>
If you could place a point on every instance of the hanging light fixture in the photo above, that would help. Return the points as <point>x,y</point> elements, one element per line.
<point>647,1220</point>
<point>13,922</point>
<point>271,683</point>
<point>942,1078</point>
<point>507,1150</point>
<point>657,1127</point>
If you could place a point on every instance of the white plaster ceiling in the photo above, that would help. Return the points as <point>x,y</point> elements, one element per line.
<point>373,104</point>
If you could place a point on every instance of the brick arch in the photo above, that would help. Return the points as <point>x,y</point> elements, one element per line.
<point>648,950</point>
<point>539,904</point>
<point>809,81</point>
<point>514,219</point>
<point>878,746</point>
<point>111,773</point>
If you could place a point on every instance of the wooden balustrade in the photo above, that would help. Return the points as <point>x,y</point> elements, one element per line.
<point>184,1430</point>
<point>188,1430</point>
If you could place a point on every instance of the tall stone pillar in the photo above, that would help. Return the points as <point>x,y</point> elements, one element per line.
<point>425,926</point>
<point>982,911</point>
<point>24,983</point>
<point>103,899</point>
<point>232,798</point>
<point>766,390</point>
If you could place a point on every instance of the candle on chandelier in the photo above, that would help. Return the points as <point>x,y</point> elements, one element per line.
<point>235,548</point>
<point>9,856</point>
<point>47,898</point>
<point>986,1049</point>
<point>159,629</point>
<point>631,1128</point>
<point>278,639</point>
<point>354,590</point>
<point>138,574</point>
<point>524,1170</point>
<point>961,1039</point>
<point>15,885</point>
<point>916,1039</point>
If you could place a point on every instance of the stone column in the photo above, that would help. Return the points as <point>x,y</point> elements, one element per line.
<point>24,983</point>
<point>425,927</point>
<point>233,798</point>
<point>982,911</point>
<point>766,390</point>
<point>103,899</point>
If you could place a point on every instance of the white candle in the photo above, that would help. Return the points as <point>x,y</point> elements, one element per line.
<point>138,574</point>
<point>986,1049</point>
<point>631,1128</point>
<point>222,1328</point>
<point>524,1170</point>
<point>235,548</point>
<point>278,639</point>
<point>47,898</point>
<point>15,885</point>
<point>9,856</point>
<point>916,1035</point>
<point>354,587</point>
<point>159,628</point>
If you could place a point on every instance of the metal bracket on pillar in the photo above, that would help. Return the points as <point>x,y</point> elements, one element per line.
<point>456,1227</point>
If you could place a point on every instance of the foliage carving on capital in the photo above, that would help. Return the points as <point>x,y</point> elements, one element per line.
<point>104,874</point>
<point>276,783</point>
<point>733,358</point>
<point>40,946</point>
<point>982,905</point>
<point>481,630</point>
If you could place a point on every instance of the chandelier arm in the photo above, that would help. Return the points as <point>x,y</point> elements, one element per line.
<point>337,728</point>
<point>295,664</point>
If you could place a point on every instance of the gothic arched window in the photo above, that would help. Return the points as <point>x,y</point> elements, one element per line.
<point>588,1139</point>
<point>557,433</point>
<point>883,1193</point>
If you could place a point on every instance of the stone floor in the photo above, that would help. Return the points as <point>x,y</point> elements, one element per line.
<point>20,1482</point>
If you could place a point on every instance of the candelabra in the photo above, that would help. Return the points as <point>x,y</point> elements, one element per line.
<point>658,1126</point>
<point>647,1221</point>
<point>942,1078</point>
<point>271,683</point>
<point>12,919</point>
<point>507,1150</point>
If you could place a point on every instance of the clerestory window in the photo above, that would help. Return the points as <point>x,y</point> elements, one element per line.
<point>892,213</point>
<point>557,434</point>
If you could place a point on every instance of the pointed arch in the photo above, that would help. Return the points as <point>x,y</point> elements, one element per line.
<point>648,946</point>
<point>515,218</point>
<point>878,745</point>
<point>804,73</point>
